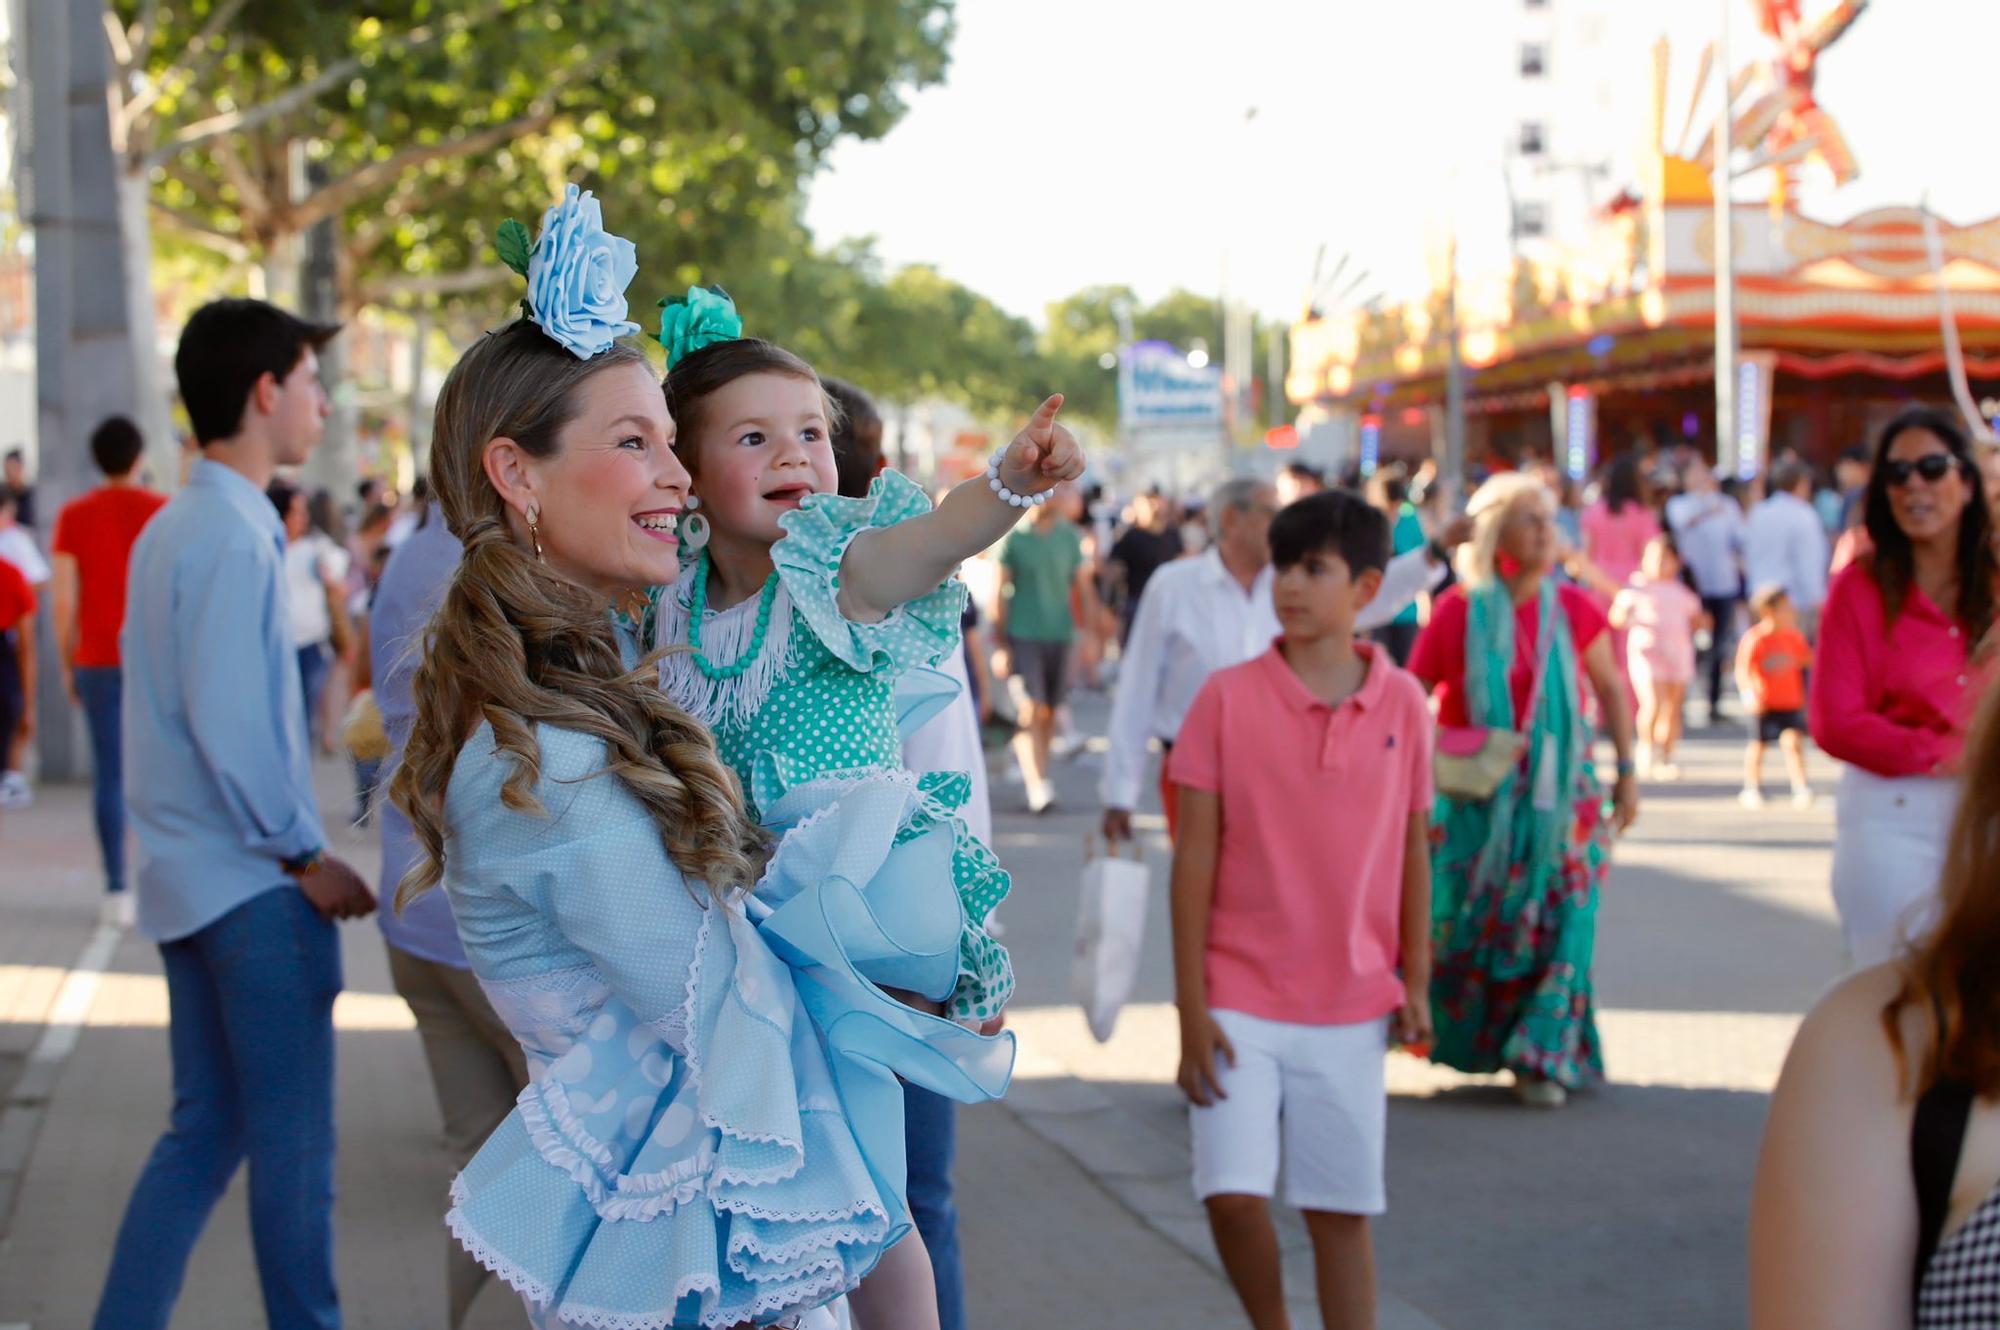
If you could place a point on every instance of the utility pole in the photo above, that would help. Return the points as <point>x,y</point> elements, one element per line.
<point>1274,376</point>
<point>83,336</point>
<point>1726,441</point>
<point>1451,470</point>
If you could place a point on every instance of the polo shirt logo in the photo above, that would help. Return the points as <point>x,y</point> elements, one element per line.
<point>1390,742</point>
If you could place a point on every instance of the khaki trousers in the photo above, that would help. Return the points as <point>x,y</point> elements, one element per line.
<point>477,1070</point>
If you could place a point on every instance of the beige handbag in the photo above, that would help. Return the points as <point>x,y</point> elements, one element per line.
<point>1471,761</point>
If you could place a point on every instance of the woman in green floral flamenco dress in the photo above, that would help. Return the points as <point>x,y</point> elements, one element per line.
<point>1514,906</point>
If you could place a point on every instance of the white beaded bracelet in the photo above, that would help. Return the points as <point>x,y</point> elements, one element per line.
<point>994,483</point>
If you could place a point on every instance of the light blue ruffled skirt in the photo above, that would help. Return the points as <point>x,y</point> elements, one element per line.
<point>762,1174</point>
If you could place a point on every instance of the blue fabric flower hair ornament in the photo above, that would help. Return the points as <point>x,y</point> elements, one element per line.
<point>577,274</point>
<point>705,317</point>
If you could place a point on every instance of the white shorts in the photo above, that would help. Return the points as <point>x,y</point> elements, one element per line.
<point>1318,1087</point>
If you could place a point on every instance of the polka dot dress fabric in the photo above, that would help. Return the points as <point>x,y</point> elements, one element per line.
<point>831,710</point>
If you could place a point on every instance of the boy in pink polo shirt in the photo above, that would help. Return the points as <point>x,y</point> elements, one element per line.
<point>1301,908</point>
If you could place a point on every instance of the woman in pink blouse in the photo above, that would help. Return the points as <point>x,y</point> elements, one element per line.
<point>1618,527</point>
<point>1616,530</point>
<point>1903,655</point>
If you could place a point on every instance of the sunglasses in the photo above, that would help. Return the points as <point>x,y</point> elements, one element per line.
<point>1933,467</point>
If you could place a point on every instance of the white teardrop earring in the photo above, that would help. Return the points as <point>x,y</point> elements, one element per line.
<point>693,526</point>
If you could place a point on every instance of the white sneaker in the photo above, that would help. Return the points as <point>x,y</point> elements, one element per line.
<point>1041,797</point>
<point>119,909</point>
<point>1751,797</point>
<point>1540,1093</point>
<point>1803,797</point>
<point>15,792</point>
<point>1666,771</point>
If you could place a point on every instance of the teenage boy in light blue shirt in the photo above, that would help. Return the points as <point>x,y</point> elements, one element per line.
<point>234,884</point>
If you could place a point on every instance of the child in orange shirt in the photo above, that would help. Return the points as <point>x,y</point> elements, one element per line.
<point>1771,675</point>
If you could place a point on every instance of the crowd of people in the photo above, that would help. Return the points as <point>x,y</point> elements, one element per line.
<point>670,703</point>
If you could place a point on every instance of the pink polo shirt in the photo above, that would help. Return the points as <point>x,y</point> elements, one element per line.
<point>1894,701</point>
<point>1305,926</point>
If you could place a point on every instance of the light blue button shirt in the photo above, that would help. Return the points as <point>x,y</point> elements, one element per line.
<point>218,772</point>
<point>405,598</point>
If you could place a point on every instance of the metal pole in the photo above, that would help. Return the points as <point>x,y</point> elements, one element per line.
<point>1451,468</point>
<point>1274,376</point>
<point>1725,269</point>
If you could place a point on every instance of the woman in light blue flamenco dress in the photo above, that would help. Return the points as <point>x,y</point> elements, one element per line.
<point>801,611</point>
<point>705,1020</point>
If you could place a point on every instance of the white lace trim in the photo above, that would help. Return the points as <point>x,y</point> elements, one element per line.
<point>726,635</point>
<point>792,1297</point>
<point>523,1283</point>
<point>786,1300</point>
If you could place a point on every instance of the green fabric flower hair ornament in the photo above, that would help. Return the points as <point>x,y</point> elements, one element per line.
<point>705,317</point>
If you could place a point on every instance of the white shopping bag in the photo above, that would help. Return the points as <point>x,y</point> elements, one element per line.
<point>1110,930</point>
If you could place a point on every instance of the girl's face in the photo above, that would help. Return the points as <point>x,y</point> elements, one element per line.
<point>1659,563</point>
<point>610,499</point>
<point>1926,508</point>
<point>298,518</point>
<point>764,446</point>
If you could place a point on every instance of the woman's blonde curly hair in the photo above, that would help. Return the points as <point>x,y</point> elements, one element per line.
<point>514,643</point>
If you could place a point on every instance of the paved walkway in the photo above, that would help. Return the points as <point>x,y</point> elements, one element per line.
<point>1624,1210</point>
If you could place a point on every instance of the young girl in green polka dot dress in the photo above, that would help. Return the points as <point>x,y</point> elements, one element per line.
<point>800,610</point>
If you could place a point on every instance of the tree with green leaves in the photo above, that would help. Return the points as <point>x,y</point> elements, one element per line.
<point>415,126</point>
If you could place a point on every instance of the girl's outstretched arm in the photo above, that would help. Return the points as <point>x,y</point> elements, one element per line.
<point>889,565</point>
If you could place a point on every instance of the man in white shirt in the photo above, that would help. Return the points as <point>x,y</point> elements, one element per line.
<point>1214,610</point>
<point>1708,530</point>
<point>1784,544</point>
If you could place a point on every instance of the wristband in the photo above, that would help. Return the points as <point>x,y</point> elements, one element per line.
<point>306,864</point>
<point>999,487</point>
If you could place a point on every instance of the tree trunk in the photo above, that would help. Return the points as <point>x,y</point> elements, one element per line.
<point>83,343</point>
<point>334,464</point>
<point>162,461</point>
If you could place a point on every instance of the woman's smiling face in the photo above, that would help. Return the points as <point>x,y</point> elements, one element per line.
<point>764,445</point>
<point>610,499</point>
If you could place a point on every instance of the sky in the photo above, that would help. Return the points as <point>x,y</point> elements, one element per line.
<point>1079,142</point>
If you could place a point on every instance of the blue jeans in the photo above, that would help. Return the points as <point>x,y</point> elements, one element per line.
<point>101,690</point>
<point>251,997</point>
<point>930,1136</point>
<point>315,668</point>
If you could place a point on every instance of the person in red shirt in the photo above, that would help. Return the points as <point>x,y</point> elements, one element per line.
<point>93,543</point>
<point>1771,675</point>
<point>17,652</point>
<point>1904,652</point>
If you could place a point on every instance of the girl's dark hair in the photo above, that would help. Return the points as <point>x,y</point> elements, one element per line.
<point>282,494</point>
<point>1893,564</point>
<point>857,439</point>
<point>1623,483</point>
<point>326,516</point>
<point>715,367</point>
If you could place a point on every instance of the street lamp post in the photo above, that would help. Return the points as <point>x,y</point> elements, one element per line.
<point>1726,435</point>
